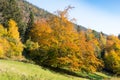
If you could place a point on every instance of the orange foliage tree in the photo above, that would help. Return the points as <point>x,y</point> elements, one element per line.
<point>87,44</point>
<point>60,45</point>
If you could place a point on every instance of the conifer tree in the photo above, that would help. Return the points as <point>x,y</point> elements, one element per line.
<point>29,26</point>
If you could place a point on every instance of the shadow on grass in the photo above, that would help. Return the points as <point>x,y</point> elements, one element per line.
<point>63,71</point>
<point>76,74</point>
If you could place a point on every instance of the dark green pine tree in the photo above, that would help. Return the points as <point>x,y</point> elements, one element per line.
<point>78,29</point>
<point>29,25</point>
<point>119,36</point>
<point>96,34</point>
<point>26,36</point>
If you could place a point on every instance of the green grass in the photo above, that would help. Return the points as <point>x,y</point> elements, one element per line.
<point>13,70</point>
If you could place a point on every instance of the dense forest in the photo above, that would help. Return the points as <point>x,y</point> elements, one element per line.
<point>55,41</point>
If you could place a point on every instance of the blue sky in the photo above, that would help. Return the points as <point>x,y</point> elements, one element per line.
<point>100,15</point>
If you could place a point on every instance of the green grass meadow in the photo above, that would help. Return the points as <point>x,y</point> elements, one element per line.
<point>14,70</point>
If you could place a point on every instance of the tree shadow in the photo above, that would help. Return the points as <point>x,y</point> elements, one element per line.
<point>64,71</point>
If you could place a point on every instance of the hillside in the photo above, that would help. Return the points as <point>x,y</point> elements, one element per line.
<point>26,7</point>
<point>13,70</point>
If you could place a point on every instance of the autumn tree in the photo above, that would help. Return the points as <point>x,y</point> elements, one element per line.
<point>62,46</point>
<point>41,33</point>
<point>88,45</point>
<point>10,43</point>
<point>56,37</point>
<point>14,38</point>
<point>66,38</point>
<point>112,54</point>
<point>3,46</point>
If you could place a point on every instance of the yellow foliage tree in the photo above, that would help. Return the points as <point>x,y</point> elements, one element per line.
<point>13,30</point>
<point>10,43</point>
<point>112,54</point>
<point>14,39</point>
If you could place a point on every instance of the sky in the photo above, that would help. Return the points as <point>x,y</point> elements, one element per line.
<point>99,15</point>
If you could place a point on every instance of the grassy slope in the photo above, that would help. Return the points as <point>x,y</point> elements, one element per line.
<point>12,70</point>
